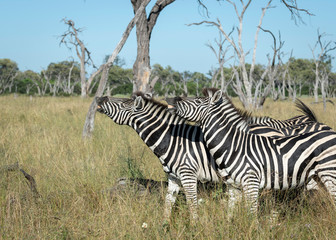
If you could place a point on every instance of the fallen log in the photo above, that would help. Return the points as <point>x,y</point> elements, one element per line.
<point>30,180</point>
<point>143,186</point>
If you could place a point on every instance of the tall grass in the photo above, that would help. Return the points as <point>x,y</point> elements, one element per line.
<point>44,136</point>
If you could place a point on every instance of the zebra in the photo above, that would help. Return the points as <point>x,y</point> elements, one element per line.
<point>179,146</point>
<point>270,127</point>
<point>120,114</point>
<point>257,162</point>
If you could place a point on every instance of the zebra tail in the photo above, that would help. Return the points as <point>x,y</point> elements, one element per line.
<point>305,110</point>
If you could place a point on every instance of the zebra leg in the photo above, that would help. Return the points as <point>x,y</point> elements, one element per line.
<point>189,184</point>
<point>235,195</point>
<point>312,185</point>
<point>173,190</point>
<point>251,192</point>
<point>329,181</point>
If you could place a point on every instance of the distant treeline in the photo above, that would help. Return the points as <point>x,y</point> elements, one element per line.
<point>63,79</point>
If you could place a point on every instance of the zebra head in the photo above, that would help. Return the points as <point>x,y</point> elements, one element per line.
<point>118,109</point>
<point>194,109</point>
<point>141,101</point>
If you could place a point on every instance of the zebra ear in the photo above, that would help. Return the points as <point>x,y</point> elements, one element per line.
<point>148,95</point>
<point>138,103</point>
<point>217,96</point>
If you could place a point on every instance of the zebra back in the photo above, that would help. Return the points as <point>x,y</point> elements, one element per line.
<point>257,161</point>
<point>267,126</point>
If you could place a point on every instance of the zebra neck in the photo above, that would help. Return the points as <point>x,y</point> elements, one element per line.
<point>258,120</point>
<point>220,127</point>
<point>153,125</point>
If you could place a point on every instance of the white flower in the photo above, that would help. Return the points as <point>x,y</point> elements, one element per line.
<point>201,201</point>
<point>144,225</point>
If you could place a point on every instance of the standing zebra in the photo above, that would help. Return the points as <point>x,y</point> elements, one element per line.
<point>179,146</point>
<point>255,162</point>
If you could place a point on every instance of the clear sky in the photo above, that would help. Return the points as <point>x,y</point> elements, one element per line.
<point>30,28</point>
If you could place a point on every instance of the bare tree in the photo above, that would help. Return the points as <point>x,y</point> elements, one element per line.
<point>243,79</point>
<point>70,80</point>
<point>40,82</point>
<point>144,28</point>
<point>324,86</point>
<point>220,54</point>
<point>104,68</point>
<point>323,49</point>
<point>291,5</point>
<point>55,86</point>
<point>71,39</point>
<point>185,78</point>
<point>281,82</point>
<point>271,72</point>
<point>245,83</point>
<point>214,73</point>
<point>7,82</point>
<point>295,11</point>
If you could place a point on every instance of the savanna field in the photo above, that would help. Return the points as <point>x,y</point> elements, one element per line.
<point>44,136</point>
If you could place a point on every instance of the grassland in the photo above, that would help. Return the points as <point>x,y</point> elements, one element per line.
<point>44,136</point>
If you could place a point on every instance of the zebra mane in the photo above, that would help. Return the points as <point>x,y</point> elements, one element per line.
<point>209,92</point>
<point>244,114</point>
<point>148,98</point>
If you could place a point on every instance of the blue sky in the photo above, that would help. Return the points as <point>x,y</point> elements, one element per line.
<point>30,28</point>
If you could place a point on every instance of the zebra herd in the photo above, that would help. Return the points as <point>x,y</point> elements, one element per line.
<point>228,145</point>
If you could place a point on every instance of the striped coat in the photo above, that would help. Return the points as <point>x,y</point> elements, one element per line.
<point>253,161</point>
<point>179,146</point>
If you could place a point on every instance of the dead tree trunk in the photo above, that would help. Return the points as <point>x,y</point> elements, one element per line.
<point>221,59</point>
<point>90,117</point>
<point>144,28</point>
<point>324,86</point>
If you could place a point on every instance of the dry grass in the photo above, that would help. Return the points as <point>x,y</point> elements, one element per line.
<point>44,136</point>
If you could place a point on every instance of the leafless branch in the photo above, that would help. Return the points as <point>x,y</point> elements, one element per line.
<point>202,5</point>
<point>256,37</point>
<point>295,11</point>
<point>275,48</point>
<point>154,14</point>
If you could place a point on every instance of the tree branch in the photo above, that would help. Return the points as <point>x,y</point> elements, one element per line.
<point>293,8</point>
<point>154,14</point>
<point>89,121</point>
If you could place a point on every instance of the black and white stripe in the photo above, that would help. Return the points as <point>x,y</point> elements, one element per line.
<point>291,130</point>
<point>267,126</point>
<point>253,161</point>
<point>179,146</point>
<point>308,116</point>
